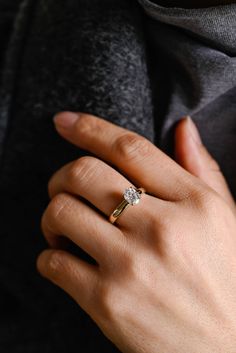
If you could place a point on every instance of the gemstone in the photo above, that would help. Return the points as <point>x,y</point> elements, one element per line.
<point>132,196</point>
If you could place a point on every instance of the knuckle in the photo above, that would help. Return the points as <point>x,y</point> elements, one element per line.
<point>201,197</point>
<point>131,146</point>
<point>57,207</point>
<point>164,231</point>
<point>84,170</point>
<point>160,223</point>
<point>55,264</point>
<point>55,216</point>
<point>85,124</point>
<point>127,262</point>
<point>196,194</point>
<point>108,301</point>
<point>161,232</point>
<point>207,202</point>
<point>156,224</point>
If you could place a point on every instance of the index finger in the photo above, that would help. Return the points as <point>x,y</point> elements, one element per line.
<point>135,156</point>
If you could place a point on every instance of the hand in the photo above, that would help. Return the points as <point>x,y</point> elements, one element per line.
<point>165,279</point>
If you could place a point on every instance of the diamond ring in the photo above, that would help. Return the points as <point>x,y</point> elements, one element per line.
<point>132,197</point>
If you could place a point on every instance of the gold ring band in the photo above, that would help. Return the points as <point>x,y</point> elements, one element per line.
<point>132,197</point>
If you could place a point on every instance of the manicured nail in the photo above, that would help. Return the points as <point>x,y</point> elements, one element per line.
<point>193,131</point>
<point>66,120</point>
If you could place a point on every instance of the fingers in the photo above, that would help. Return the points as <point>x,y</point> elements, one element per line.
<point>76,277</point>
<point>68,216</point>
<point>103,187</point>
<point>136,157</point>
<point>194,157</point>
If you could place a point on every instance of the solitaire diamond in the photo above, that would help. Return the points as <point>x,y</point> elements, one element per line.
<point>132,196</point>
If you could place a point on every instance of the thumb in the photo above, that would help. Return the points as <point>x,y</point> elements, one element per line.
<point>192,155</point>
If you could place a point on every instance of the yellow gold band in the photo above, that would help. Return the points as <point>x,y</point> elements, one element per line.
<point>135,193</point>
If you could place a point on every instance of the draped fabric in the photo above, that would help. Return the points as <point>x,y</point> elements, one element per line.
<point>193,53</point>
<point>62,55</point>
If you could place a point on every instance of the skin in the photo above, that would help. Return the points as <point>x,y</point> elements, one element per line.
<point>193,3</point>
<point>165,279</point>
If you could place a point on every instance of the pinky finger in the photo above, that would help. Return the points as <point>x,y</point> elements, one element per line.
<point>74,276</point>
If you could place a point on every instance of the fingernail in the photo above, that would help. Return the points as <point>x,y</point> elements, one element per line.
<point>193,131</point>
<point>65,120</point>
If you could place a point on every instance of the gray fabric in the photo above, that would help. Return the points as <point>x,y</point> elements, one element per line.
<point>62,55</point>
<point>197,71</point>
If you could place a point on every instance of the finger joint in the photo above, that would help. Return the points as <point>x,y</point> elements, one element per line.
<point>131,146</point>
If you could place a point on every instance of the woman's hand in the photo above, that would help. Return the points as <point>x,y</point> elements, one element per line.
<point>166,275</point>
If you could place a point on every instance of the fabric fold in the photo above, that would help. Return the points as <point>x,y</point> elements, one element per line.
<point>76,55</point>
<point>193,73</point>
<point>208,23</point>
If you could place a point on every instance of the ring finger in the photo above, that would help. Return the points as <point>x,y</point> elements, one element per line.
<point>102,186</point>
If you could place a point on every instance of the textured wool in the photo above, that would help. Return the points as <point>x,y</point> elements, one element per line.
<point>138,65</point>
<point>62,55</point>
